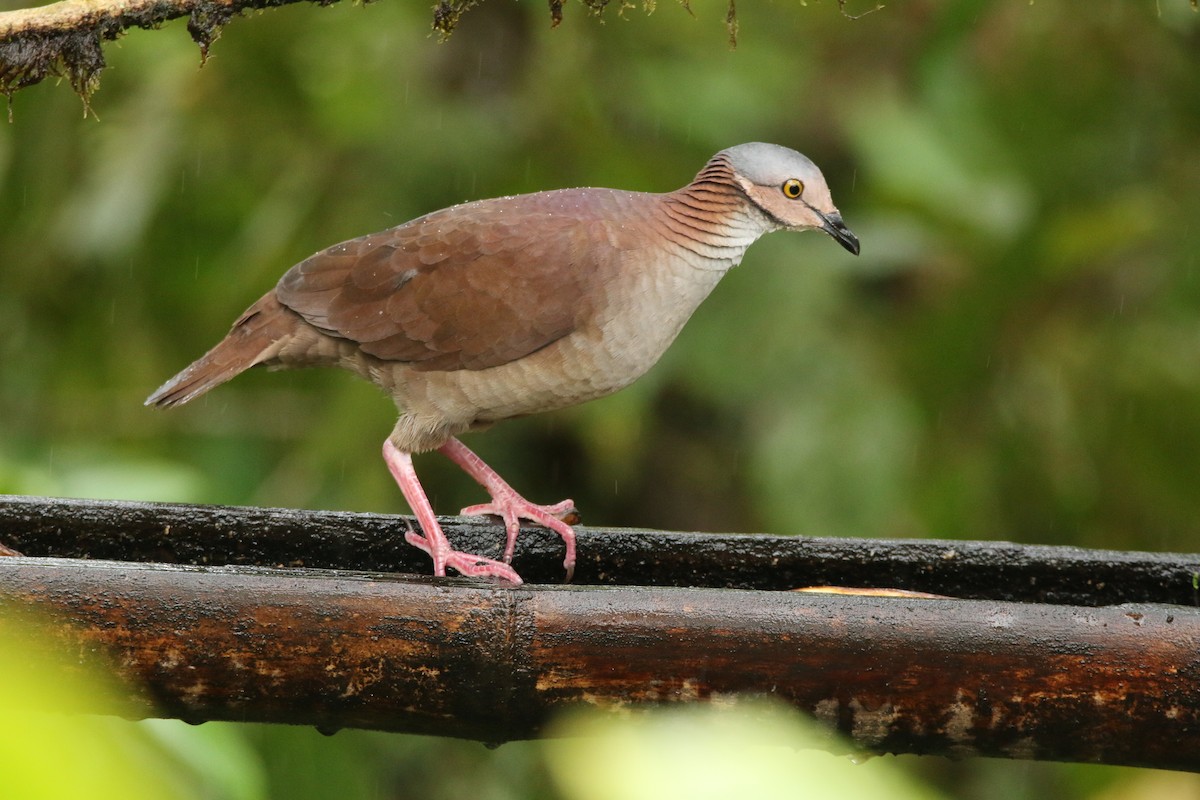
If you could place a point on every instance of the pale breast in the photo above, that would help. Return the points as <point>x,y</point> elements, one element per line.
<point>642,313</point>
<point>647,273</point>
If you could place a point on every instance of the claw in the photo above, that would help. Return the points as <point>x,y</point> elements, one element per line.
<point>432,540</point>
<point>472,566</point>
<point>512,507</point>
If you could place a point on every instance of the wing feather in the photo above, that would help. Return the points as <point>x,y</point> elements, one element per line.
<point>471,287</point>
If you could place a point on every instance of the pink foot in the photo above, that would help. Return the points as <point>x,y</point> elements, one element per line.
<point>464,563</point>
<point>434,541</point>
<point>510,506</point>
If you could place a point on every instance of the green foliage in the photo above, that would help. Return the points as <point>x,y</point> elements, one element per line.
<point>1014,355</point>
<point>743,749</point>
<point>49,750</point>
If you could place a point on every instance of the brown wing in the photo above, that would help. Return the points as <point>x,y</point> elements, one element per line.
<point>470,287</point>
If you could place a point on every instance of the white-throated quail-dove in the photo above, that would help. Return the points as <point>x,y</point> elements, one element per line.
<point>500,308</point>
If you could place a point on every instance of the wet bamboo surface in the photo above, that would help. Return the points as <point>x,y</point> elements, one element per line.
<point>308,618</point>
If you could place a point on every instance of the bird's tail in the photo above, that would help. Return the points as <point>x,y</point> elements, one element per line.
<point>254,339</point>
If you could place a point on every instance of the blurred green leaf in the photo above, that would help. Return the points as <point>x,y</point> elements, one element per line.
<point>753,749</point>
<point>49,750</point>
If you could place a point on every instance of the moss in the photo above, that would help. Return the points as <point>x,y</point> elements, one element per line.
<point>205,24</point>
<point>74,51</point>
<point>74,54</point>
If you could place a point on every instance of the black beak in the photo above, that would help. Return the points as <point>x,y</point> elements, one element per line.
<point>838,230</point>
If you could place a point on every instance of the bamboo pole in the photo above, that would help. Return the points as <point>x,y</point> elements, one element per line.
<point>1038,665</point>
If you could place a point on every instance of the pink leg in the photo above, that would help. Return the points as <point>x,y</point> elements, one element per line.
<point>510,506</point>
<point>434,542</point>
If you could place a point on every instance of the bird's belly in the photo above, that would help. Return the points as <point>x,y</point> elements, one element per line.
<point>593,361</point>
<point>575,369</point>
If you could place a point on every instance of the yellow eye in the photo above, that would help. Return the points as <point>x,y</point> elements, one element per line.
<point>793,188</point>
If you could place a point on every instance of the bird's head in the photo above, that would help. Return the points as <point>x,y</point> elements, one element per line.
<point>789,189</point>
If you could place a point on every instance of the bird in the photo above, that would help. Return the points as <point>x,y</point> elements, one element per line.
<point>505,307</point>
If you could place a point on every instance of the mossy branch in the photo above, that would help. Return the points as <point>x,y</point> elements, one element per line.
<point>65,39</point>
